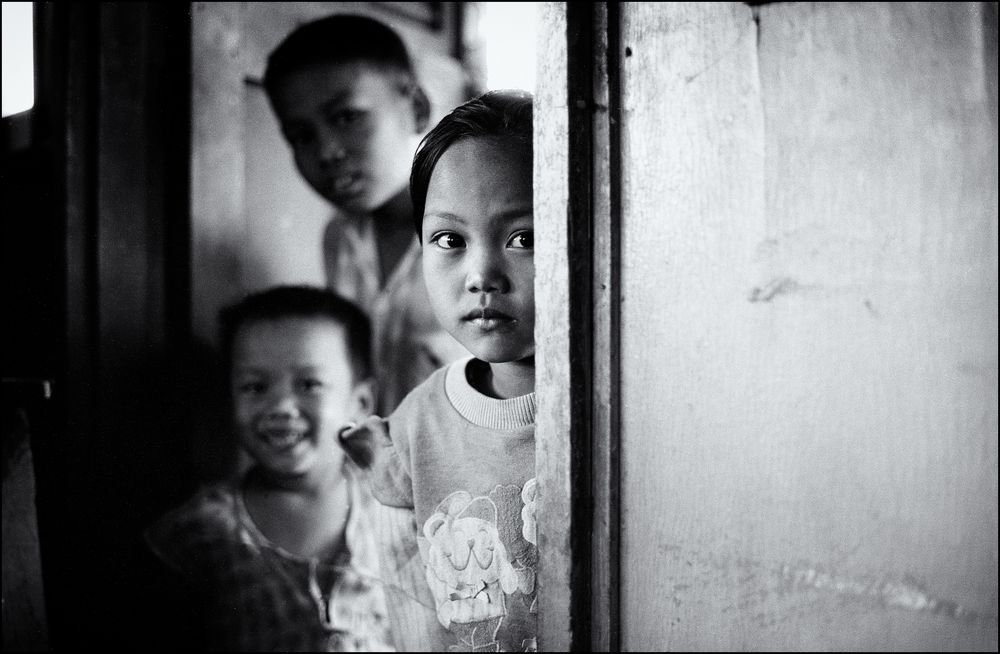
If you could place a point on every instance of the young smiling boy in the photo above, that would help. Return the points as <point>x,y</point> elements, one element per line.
<point>350,107</point>
<point>460,449</point>
<point>282,558</point>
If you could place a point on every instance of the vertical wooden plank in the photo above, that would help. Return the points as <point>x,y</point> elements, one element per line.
<point>141,170</point>
<point>133,461</point>
<point>581,27</point>
<point>809,323</point>
<point>552,329</point>
<point>78,173</point>
<point>692,195</point>
<point>881,182</point>
<point>606,196</point>
<point>126,235</point>
<point>988,10</point>
<point>70,73</point>
<point>577,303</point>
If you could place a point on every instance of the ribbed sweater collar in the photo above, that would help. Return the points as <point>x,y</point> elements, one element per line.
<point>485,411</point>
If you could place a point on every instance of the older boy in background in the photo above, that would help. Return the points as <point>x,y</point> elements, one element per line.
<point>345,94</point>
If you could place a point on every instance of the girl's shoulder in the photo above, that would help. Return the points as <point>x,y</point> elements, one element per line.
<point>429,393</point>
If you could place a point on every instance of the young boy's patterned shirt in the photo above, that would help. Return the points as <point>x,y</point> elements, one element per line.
<point>256,596</point>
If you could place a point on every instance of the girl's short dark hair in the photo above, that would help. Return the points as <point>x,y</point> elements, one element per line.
<point>336,39</point>
<point>502,115</point>
<point>301,301</point>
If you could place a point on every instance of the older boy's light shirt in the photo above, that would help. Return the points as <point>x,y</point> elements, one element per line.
<point>408,342</point>
<point>466,464</point>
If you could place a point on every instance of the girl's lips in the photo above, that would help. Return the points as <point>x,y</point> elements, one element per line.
<point>490,324</point>
<point>484,314</point>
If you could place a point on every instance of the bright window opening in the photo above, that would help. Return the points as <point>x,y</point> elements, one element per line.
<point>508,30</point>
<point>18,58</point>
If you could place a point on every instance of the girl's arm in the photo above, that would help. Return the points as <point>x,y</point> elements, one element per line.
<point>370,447</point>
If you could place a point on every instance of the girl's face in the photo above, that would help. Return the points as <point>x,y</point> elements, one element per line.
<point>478,248</point>
<point>293,389</point>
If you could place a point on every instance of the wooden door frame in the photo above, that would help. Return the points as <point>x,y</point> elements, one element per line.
<point>113,123</point>
<point>577,214</point>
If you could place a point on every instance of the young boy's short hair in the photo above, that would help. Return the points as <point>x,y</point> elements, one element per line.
<point>301,301</point>
<point>504,115</point>
<point>336,39</point>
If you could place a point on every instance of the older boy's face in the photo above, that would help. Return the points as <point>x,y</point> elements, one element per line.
<point>478,248</point>
<point>352,132</point>
<point>293,389</point>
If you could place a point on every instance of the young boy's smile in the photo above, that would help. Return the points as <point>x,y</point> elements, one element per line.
<point>478,248</point>
<point>352,130</point>
<point>293,388</point>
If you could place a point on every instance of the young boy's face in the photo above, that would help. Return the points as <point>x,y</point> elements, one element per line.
<point>352,131</point>
<point>293,389</point>
<point>478,248</point>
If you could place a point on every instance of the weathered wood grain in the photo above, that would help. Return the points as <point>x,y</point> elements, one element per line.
<point>552,329</point>
<point>809,327</point>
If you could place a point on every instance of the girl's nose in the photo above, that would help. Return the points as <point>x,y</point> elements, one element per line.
<point>486,275</point>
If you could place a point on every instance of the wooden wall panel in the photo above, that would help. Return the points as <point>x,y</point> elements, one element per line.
<point>809,327</point>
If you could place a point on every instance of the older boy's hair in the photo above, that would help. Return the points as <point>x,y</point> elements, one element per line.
<point>281,302</point>
<point>501,115</point>
<point>340,38</point>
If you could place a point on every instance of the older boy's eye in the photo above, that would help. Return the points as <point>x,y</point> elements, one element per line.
<point>310,385</point>
<point>298,137</point>
<point>525,240</point>
<point>345,117</point>
<point>447,240</point>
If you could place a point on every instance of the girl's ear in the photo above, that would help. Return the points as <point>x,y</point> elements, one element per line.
<point>421,109</point>
<point>363,396</point>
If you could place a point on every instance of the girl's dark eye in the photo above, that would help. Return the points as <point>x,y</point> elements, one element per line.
<point>448,241</point>
<point>524,240</point>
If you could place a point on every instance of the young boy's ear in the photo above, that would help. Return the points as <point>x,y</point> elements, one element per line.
<point>364,394</point>
<point>421,109</point>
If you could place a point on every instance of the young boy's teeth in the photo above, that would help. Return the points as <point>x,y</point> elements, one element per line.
<point>283,438</point>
